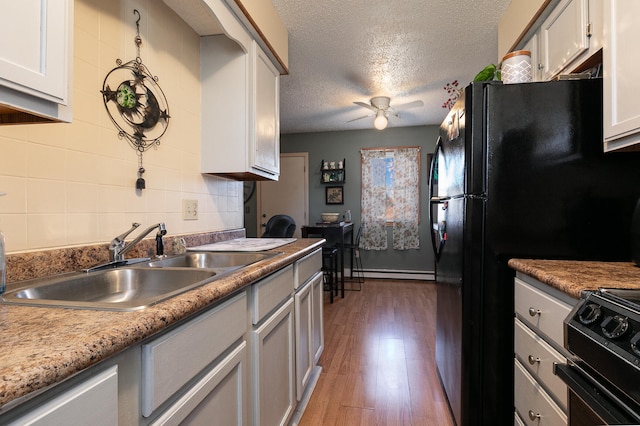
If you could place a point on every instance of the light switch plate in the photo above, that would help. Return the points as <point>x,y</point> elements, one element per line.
<point>189,209</point>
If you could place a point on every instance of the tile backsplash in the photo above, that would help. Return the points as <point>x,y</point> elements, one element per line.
<point>74,184</point>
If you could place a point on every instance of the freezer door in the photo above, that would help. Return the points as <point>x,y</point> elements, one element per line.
<point>451,155</point>
<point>462,157</point>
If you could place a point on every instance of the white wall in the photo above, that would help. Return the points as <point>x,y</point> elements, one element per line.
<point>74,184</point>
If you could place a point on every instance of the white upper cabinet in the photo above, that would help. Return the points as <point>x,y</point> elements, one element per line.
<point>243,50</point>
<point>532,46</point>
<point>240,111</point>
<point>35,60</point>
<point>563,37</point>
<point>621,85</point>
<point>265,130</point>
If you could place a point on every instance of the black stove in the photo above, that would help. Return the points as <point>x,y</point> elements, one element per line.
<point>603,335</point>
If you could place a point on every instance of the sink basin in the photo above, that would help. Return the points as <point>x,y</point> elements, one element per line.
<point>212,260</point>
<point>125,289</point>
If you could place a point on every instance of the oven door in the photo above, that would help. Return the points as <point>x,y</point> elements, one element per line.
<point>590,402</point>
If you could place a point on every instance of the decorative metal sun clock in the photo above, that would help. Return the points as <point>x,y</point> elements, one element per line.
<point>136,104</point>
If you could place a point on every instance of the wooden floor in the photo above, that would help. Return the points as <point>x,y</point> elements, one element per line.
<point>379,360</point>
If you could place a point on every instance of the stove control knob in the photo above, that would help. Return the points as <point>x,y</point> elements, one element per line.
<point>589,314</point>
<point>615,326</point>
<point>635,344</point>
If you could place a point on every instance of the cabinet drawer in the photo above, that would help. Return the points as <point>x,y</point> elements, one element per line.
<point>533,404</point>
<point>538,358</point>
<point>307,266</point>
<point>541,311</point>
<point>268,294</point>
<point>173,359</point>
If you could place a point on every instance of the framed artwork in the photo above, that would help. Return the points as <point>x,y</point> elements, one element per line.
<point>334,195</point>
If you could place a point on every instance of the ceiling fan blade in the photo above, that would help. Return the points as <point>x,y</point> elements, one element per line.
<point>408,105</point>
<point>360,118</point>
<point>368,106</point>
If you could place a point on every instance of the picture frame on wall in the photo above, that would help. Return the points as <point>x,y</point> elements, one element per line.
<point>334,195</point>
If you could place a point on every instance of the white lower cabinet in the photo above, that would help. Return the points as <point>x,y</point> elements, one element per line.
<point>540,397</point>
<point>533,404</point>
<point>174,359</point>
<point>273,393</point>
<point>318,318</point>
<point>304,337</point>
<point>309,331</point>
<point>93,401</point>
<point>247,360</point>
<point>221,395</point>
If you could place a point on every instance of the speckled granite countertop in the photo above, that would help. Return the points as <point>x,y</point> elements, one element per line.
<point>42,346</point>
<point>572,276</point>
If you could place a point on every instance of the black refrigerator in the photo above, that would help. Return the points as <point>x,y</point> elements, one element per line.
<point>520,172</point>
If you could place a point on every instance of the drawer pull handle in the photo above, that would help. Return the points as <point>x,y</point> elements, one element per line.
<point>533,359</point>
<point>533,312</point>
<point>533,415</point>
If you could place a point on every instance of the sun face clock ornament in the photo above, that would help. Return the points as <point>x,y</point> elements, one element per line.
<point>136,104</point>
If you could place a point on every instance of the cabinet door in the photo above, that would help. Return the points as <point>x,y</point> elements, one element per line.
<point>304,337</point>
<point>532,46</point>
<point>620,63</point>
<point>273,366</point>
<point>266,126</point>
<point>318,317</point>
<point>564,36</point>
<point>195,344</point>
<point>92,402</point>
<point>35,49</point>
<point>221,395</point>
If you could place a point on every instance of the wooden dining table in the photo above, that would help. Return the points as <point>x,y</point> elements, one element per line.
<point>335,234</point>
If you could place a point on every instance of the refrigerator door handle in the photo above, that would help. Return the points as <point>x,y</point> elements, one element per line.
<point>433,201</point>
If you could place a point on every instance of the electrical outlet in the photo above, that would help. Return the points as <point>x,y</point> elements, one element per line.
<point>189,209</point>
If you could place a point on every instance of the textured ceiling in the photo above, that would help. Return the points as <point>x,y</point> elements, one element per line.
<point>342,51</point>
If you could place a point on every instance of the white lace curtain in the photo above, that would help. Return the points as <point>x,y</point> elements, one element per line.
<point>390,193</point>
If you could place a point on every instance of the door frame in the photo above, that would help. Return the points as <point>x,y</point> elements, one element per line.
<point>305,156</point>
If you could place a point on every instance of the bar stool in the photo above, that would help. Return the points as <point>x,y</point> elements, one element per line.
<point>330,270</point>
<point>356,273</point>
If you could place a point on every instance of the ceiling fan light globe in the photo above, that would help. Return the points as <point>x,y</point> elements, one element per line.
<point>380,122</point>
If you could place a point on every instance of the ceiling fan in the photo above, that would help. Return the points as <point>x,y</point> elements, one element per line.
<point>380,105</point>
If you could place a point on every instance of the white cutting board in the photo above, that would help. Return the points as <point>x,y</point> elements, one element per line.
<point>245,244</point>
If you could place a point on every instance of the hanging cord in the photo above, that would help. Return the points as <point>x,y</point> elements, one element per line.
<point>137,39</point>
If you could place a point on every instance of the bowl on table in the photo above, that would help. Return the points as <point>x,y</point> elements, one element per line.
<point>330,217</point>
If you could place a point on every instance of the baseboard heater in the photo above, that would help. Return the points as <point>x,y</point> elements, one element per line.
<point>396,274</point>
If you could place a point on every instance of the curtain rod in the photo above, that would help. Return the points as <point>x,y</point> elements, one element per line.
<point>389,149</point>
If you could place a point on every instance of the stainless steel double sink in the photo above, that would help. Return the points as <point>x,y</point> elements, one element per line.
<point>134,287</point>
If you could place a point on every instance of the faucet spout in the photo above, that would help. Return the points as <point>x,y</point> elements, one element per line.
<point>118,247</point>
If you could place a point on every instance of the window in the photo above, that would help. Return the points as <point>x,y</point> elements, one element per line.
<point>390,197</point>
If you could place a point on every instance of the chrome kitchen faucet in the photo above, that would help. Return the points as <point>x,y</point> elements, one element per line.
<point>118,248</point>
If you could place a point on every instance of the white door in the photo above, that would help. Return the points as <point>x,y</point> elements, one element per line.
<point>289,195</point>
